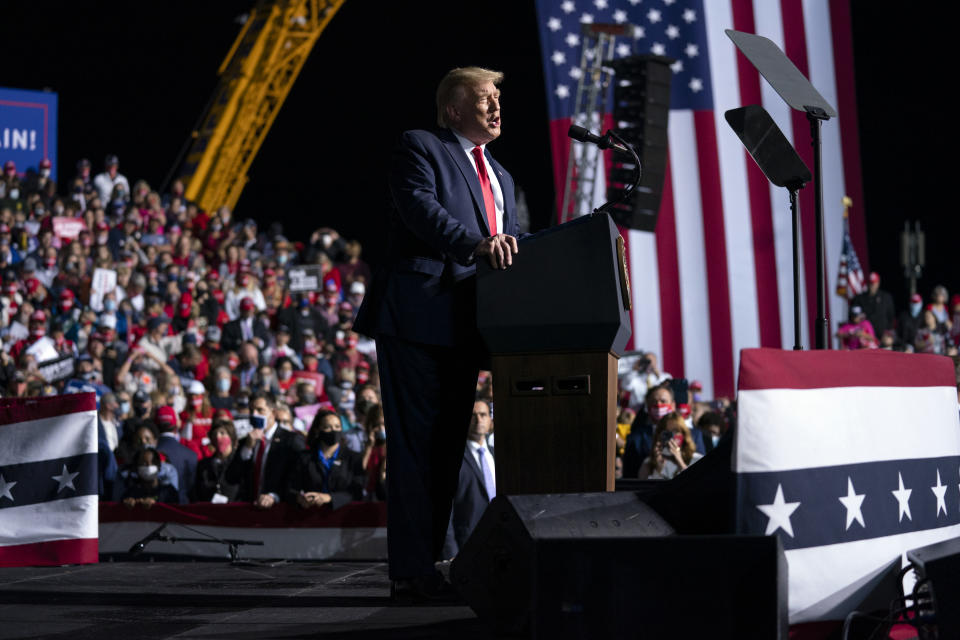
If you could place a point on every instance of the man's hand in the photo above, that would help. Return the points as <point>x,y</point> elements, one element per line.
<point>264,501</point>
<point>499,248</point>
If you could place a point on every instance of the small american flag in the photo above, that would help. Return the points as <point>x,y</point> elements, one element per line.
<point>850,282</point>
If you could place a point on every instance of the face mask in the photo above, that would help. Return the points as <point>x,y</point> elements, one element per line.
<point>44,173</point>
<point>915,308</point>
<point>285,374</point>
<point>233,363</point>
<point>328,438</point>
<point>224,444</point>
<point>697,397</point>
<point>102,238</point>
<point>715,440</point>
<point>110,305</point>
<point>14,194</point>
<point>148,473</point>
<point>124,408</point>
<point>38,332</point>
<point>140,411</point>
<point>223,384</point>
<point>362,405</point>
<point>380,434</point>
<point>58,210</point>
<point>258,422</point>
<point>179,403</point>
<point>312,366</point>
<point>660,410</point>
<point>309,397</point>
<point>50,262</point>
<point>197,402</point>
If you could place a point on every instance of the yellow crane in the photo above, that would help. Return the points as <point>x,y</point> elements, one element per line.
<point>255,78</point>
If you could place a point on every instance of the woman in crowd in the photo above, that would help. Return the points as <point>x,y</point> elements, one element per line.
<point>673,449</point>
<point>938,305</point>
<point>327,472</point>
<point>197,419</point>
<point>932,335</point>
<point>148,480</point>
<point>858,333</point>
<point>375,453</point>
<point>211,484</point>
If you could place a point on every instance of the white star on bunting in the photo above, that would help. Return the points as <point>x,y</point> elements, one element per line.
<point>572,39</point>
<point>586,18</point>
<point>567,6</point>
<point>623,49</point>
<point>563,91</point>
<point>65,479</point>
<point>940,491</point>
<point>779,513</point>
<point>853,502</point>
<point>689,15</point>
<point>619,16</point>
<point>639,32</point>
<point>554,24</point>
<point>558,57</point>
<point>692,50</point>
<point>658,49</point>
<point>654,16</point>
<point>696,85</point>
<point>677,66</point>
<point>903,499</point>
<point>672,32</point>
<point>5,488</point>
<point>600,4</point>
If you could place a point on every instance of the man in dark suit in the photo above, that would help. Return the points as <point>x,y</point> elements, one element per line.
<point>454,205</point>
<point>477,485</point>
<point>246,328</point>
<point>265,457</point>
<point>180,456</point>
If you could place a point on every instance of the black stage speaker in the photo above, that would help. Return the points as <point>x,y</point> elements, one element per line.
<point>496,567</point>
<point>641,106</point>
<point>660,587</point>
<point>938,565</point>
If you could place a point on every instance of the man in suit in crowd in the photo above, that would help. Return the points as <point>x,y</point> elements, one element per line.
<point>477,485</point>
<point>246,328</point>
<point>180,456</point>
<point>266,456</point>
<point>454,204</point>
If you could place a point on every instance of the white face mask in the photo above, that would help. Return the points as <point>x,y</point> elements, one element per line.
<point>148,472</point>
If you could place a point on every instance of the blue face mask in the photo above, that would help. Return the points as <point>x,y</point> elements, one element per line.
<point>915,308</point>
<point>109,305</point>
<point>223,384</point>
<point>715,440</point>
<point>124,408</point>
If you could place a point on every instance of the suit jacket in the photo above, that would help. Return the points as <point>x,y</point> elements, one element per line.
<point>469,502</point>
<point>425,294</point>
<point>345,483</point>
<point>233,334</point>
<point>281,459</point>
<point>185,462</point>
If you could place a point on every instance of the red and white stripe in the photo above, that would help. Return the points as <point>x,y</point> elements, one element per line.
<point>58,531</point>
<point>717,275</point>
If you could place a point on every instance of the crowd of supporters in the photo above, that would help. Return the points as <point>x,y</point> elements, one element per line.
<point>215,381</point>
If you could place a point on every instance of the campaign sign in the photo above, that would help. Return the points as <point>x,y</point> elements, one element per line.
<point>68,228</point>
<point>57,369</point>
<point>305,278</point>
<point>28,128</point>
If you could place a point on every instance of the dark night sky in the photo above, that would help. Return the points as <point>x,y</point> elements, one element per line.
<point>134,77</point>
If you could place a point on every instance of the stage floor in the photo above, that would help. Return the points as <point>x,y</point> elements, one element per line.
<point>215,600</point>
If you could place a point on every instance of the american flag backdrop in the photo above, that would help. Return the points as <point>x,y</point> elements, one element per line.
<point>716,276</point>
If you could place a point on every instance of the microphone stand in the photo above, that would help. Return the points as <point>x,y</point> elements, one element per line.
<point>233,544</point>
<point>606,144</point>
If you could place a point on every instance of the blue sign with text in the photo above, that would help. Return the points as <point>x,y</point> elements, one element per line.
<point>28,129</point>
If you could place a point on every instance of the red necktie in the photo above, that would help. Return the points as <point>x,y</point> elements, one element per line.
<point>488,201</point>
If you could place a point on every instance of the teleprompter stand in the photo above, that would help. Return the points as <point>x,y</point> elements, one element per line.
<point>779,161</point>
<point>555,323</point>
<point>799,94</point>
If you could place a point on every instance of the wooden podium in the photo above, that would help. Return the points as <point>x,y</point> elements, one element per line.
<point>555,324</point>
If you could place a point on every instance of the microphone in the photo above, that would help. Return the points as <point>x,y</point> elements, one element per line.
<point>140,545</point>
<point>583,135</point>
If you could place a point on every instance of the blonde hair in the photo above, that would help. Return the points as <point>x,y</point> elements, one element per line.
<point>451,88</point>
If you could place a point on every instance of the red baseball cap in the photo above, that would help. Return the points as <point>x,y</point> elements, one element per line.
<point>38,316</point>
<point>167,414</point>
<point>246,304</point>
<point>874,276</point>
